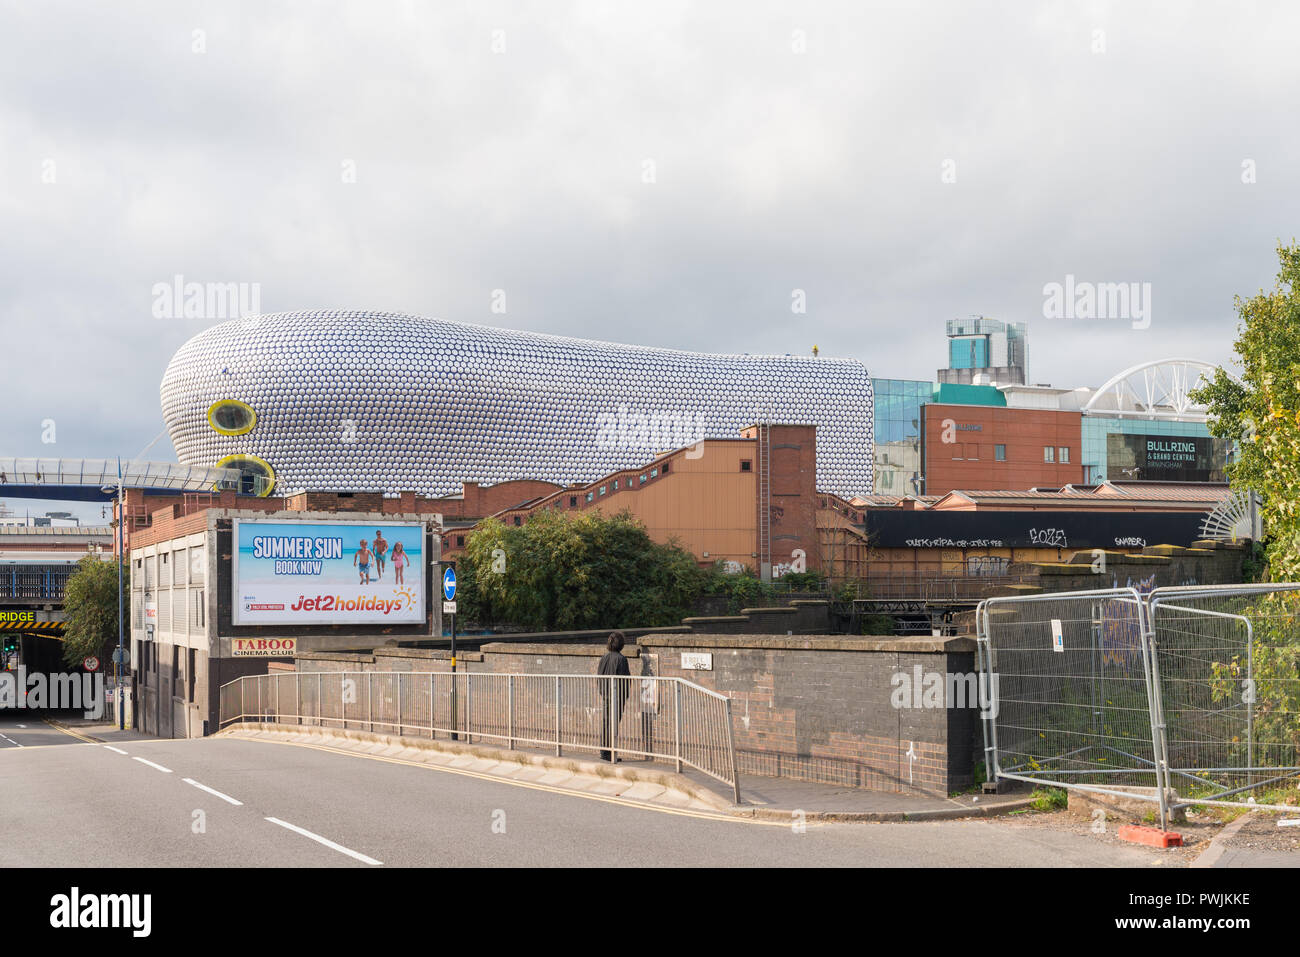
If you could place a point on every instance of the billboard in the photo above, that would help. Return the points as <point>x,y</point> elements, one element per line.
<point>1166,458</point>
<point>334,573</point>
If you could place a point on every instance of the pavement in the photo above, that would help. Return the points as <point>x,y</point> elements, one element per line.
<point>240,801</point>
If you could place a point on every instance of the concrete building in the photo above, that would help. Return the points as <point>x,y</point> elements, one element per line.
<point>184,642</point>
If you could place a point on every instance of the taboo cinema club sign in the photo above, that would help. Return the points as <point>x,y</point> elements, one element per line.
<point>263,647</point>
<point>336,573</point>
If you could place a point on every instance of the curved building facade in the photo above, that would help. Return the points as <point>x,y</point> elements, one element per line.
<point>371,401</point>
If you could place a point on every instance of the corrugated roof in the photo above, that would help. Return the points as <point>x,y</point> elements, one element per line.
<point>43,530</point>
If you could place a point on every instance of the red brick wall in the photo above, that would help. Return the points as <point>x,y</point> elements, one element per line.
<point>970,462</point>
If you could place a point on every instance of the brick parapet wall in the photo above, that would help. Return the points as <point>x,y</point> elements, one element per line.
<point>816,709</point>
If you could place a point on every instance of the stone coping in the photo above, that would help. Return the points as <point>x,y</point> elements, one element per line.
<point>921,644</point>
<point>630,650</point>
<point>871,643</point>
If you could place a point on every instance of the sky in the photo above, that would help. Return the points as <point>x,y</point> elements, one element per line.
<point>682,175</point>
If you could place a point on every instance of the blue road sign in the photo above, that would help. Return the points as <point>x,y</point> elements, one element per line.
<point>449,584</point>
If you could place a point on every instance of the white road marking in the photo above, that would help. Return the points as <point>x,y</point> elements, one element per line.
<point>328,843</point>
<point>11,740</point>
<point>111,748</point>
<point>213,791</point>
<point>152,765</point>
<point>22,726</point>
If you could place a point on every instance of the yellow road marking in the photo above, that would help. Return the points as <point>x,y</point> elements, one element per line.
<point>75,734</point>
<point>608,799</point>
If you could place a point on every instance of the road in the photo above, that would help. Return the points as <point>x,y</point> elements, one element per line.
<point>173,803</point>
<point>23,729</point>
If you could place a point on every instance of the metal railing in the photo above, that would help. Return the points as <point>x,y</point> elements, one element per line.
<point>651,718</point>
<point>933,587</point>
<point>1182,696</point>
<point>35,581</point>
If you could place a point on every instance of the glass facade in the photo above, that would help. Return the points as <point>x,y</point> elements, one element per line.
<point>897,466</point>
<point>968,353</point>
<point>1096,428</point>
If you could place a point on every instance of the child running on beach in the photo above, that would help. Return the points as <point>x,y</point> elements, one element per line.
<point>362,560</point>
<point>399,562</point>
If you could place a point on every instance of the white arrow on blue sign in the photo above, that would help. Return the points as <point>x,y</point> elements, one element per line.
<point>449,584</point>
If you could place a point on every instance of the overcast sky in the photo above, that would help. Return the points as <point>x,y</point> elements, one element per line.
<point>507,146</point>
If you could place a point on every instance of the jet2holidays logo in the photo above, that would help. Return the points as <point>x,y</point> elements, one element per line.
<point>298,572</point>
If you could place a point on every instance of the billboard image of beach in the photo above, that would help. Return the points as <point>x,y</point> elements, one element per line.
<point>336,573</point>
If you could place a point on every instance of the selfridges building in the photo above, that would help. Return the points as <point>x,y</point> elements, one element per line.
<point>374,401</point>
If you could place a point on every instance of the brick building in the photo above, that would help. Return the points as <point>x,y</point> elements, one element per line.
<point>983,447</point>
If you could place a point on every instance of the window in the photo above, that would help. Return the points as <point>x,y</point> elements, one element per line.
<point>590,496</point>
<point>573,501</point>
<point>654,473</point>
<point>666,465</point>
<point>746,465</point>
<point>603,489</point>
<point>231,417</point>
<point>1049,453</point>
<point>642,482</point>
<point>256,475</point>
<point>615,485</point>
<point>460,541</point>
<point>1000,453</point>
<point>1064,451</point>
<point>518,521</point>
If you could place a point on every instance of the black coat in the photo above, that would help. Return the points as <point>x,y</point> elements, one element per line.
<point>613,663</point>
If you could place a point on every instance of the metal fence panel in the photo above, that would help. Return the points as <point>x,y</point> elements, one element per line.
<point>1227,661</point>
<point>618,717</point>
<point>1192,691</point>
<point>1069,681</point>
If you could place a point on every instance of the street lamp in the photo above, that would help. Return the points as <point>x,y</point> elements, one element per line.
<point>118,659</point>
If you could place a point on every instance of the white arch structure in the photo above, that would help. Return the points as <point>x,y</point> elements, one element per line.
<point>1157,389</point>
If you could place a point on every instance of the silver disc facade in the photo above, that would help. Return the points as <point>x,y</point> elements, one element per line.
<point>372,401</point>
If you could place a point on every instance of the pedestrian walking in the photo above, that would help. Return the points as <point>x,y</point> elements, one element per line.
<point>613,668</point>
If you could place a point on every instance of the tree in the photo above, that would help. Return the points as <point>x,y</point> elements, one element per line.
<point>1262,411</point>
<point>557,573</point>
<point>90,610</point>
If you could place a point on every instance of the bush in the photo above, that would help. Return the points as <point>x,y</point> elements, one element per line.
<point>556,573</point>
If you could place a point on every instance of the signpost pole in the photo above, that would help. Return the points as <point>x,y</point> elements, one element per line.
<point>119,664</point>
<point>449,608</point>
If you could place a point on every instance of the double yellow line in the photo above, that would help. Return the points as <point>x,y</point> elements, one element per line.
<point>76,734</point>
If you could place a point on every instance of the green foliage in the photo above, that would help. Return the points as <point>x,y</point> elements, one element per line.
<point>742,590</point>
<point>877,625</point>
<point>802,581</point>
<point>1048,799</point>
<point>1262,412</point>
<point>90,607</point>
<point>555,573</point>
